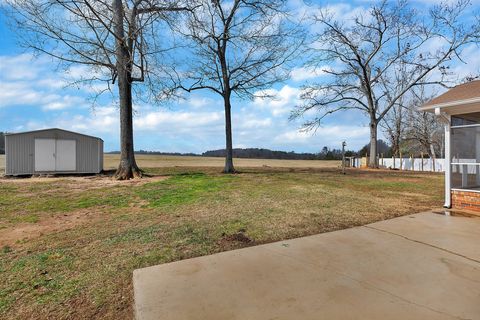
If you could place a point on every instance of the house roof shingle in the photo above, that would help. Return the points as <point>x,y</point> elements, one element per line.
<point>466,91</point>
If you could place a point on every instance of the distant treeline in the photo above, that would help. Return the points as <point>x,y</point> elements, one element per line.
<point>261,153</point>
<point>256,153</point>
<point>159,153</point>
<point>2,143</point>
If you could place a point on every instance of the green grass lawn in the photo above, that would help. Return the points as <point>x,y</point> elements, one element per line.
<point>85,236</point>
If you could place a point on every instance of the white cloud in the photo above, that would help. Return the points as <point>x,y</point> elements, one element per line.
<point>103,119</point>
<point>64,102</point>
<point>79,72</point>
<point>20,67</point>
<point>177,120</point>
<point>281,101</point>
<point>27,80</point>
<point>346,12</point>
<point>293,136</point>
<point>190,130</point>
<point>254,123</point>
<point>342,11</point>
<point>197,101</point>
<point>307,73</point>
<point>17,93</point>
<point>331,136</point>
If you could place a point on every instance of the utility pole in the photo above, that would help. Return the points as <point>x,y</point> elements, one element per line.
<point>343,156</point>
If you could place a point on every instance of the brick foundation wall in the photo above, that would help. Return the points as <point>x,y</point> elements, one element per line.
<point>466,200</point>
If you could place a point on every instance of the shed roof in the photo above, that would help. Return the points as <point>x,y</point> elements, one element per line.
<point>52,129</point>
<point>464,98</point>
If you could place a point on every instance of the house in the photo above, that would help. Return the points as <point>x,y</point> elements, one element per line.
<point>459,110</point>
<point>52,151</point>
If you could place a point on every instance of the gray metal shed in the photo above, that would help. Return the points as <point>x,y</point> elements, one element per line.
<point>52,151</point>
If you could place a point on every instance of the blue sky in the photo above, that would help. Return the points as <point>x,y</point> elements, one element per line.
<point>34,95</point>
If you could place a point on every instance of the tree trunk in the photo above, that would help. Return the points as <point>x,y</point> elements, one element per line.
<point>372,161</point>
<point>127,168</point>
<point>228,135</point>
<point>433,156</point>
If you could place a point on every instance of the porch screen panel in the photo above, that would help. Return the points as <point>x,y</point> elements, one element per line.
<point>466,156</point>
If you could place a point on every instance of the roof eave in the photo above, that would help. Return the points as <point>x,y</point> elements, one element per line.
<point>465,102</point>
<point>51,129</point>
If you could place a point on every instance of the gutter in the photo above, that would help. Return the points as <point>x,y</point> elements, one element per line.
<point>449,104</point>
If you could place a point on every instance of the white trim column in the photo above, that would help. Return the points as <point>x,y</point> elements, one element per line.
<point>448,164</point>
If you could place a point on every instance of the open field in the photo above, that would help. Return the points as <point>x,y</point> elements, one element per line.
<point>155,161</point>
<point>68,245</point>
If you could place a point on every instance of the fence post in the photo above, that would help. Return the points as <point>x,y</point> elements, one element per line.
<point>401,158</point>
<point>421,154</point>
<point>412,161</point>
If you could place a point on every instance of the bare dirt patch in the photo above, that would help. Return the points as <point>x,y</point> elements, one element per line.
<point>239,236</point>
<point>235,240</point>
<point>21,232</point>
<point>99,182</point>
<point>26,231</point>
<point>85,183</point>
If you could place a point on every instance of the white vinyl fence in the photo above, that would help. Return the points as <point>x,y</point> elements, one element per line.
<point>415,164</point>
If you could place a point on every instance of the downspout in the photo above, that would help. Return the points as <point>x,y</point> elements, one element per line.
<point>448,157</point>
<point>448,166</point>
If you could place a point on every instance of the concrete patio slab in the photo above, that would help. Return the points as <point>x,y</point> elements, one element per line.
<point>457,233</point>
<point>423,266</point>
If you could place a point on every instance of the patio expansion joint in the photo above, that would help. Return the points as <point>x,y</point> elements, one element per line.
<point>367,285</point>
<point>423,243</point>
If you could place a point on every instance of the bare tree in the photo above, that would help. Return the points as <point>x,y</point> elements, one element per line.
<point>239,47</point>
<point>116,38</point>
<point>367,53</point>
<point>423,131</point>
<point>394,121</point>
<point>412,130</point>
<point>393,125</point>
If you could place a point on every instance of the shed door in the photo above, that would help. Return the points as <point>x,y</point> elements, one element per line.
<point>66,157</point>
<point>44,154</point>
